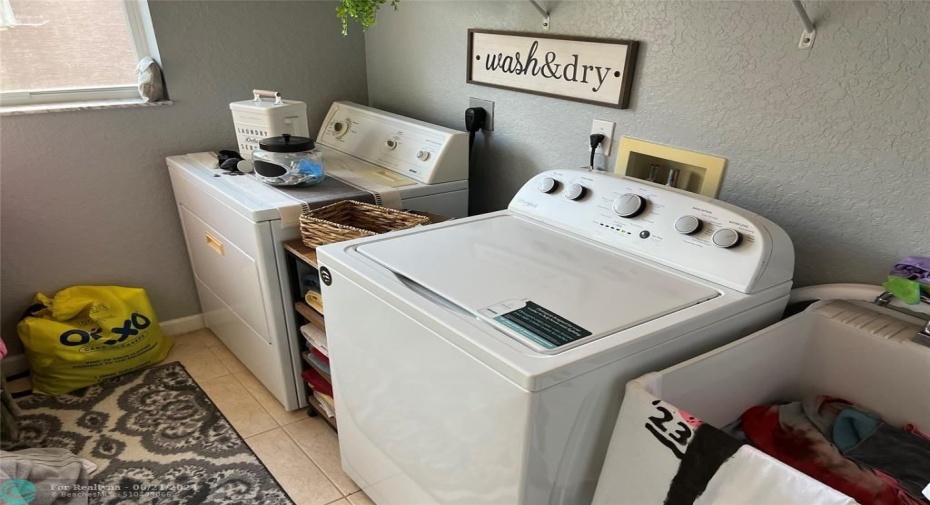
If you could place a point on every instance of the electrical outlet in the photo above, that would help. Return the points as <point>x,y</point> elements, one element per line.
<point>488,107</point>
<point>605,128</point>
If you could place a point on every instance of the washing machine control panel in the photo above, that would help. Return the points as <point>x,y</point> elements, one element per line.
<point>421,151</point>
<point>689,232</point>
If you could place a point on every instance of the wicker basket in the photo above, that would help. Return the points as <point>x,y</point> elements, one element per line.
<point>348,219</point>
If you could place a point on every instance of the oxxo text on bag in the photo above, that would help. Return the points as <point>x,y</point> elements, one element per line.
<point>130,327</point>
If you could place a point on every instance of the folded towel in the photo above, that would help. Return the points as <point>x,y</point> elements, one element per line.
<point>326,401</point>
<point>48,476</point>
<point>315,337</point>
<point>310,281</point>
<point>319,354</point>
<point>317,362</point>
<point>316,381</point>
<point>315,300</point>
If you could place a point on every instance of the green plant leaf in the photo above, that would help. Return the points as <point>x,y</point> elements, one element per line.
<point>363,11</point>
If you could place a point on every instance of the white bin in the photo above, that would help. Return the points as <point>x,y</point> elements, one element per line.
<point>259,119</point>
<point>853,350</point>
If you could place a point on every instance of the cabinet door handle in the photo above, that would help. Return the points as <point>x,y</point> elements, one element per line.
<point>214,243</point>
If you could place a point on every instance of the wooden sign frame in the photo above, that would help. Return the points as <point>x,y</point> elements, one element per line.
<point>539,64</point>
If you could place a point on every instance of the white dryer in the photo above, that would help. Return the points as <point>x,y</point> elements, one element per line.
<point>408,163</point>
<point>234,225</point>
<point>483,360</point>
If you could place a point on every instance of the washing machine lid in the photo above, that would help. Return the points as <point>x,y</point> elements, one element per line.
<point>543,287</point>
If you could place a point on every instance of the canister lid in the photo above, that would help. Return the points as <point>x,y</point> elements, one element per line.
<point>287,144</point>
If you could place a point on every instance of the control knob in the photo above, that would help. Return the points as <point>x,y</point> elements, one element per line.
<point>422,155</point>
<point>629,205</point>
<point>688,225</point>
<point>547,185</point>
<point>340,128</point>
<point>726,238</point>
<point>574,191</point>
<point>390,144</point>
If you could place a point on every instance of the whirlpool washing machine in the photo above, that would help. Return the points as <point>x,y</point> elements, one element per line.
<point>483,360</point>
<point>235,225</point>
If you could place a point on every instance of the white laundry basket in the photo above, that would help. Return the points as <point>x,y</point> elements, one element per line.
<point>849,349</point>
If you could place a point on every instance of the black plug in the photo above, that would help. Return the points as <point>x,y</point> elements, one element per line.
<point>596,140</point>
<point>474,119</point>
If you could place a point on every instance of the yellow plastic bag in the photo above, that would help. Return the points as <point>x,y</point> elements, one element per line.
<point>88,333</point>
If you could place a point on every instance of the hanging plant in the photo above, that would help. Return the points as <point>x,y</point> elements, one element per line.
<point>363,11</point>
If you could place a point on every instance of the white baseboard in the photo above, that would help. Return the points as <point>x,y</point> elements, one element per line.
<point>183,324</point>
<point>17,363</point>
<point>14,364</point>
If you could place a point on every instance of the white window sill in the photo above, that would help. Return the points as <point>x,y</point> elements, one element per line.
<point>15,110</point>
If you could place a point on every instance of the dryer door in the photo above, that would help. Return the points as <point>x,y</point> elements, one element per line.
<point>543,287</point>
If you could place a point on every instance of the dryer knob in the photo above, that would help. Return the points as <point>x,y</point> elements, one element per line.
<point>422,155</point>
<point>726,238</point>
<point>547,185</point>
<point>340,128</point>
<point>629,205</point>
<point>574,191</point>
<point>390,144</point>
<point>688,225</point>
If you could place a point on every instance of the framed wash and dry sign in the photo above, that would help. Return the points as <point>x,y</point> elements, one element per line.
<point>598,71</point>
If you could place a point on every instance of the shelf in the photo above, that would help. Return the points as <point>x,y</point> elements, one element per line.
<point>302,252</point>
<point>315,405</point>
<point>312,316</point>
<point>307,255</point>
<point>314,366</point>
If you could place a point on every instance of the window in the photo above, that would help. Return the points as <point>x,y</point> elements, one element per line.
<point>68,51</point>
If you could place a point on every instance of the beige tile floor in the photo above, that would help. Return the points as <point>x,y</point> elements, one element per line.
<point>301,452</point>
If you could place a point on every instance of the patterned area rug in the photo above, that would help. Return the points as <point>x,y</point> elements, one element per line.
<point>156,438</point>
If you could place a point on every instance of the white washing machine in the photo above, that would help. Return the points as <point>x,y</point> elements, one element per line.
<point>234,225</point>
<point>489,364</point>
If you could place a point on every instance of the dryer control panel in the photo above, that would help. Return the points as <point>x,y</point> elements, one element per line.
<point>699,235</point>
<point>424,152</point>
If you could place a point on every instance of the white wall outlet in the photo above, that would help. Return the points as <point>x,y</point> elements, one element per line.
<point>606,128</point>
<point>488,107</point>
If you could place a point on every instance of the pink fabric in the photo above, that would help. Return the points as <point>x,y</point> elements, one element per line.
<point>903,497</point>
<point>914,430</point>
<point>692,421</point>
<point>2,348</point>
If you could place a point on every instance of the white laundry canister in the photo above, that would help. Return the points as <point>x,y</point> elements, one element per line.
<point>267,115</point>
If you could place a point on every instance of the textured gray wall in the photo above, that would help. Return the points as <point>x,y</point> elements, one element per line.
<point>833,144</point>
<point>86,197</point>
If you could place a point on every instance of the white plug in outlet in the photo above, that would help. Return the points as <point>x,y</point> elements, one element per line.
<point>605,128</point>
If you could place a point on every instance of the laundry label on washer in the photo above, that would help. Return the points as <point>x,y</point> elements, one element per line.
<point>535,322</point>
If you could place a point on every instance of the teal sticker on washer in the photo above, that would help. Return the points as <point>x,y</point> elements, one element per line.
<point>542,326</point>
